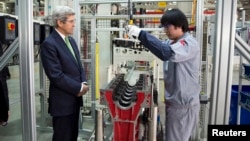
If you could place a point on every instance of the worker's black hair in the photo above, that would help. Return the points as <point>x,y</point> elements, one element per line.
<point>175,17</point>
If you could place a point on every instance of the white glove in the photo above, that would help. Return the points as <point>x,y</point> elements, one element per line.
<point>133,31</point>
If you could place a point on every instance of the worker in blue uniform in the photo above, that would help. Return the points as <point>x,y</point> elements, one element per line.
<point>181,56</point>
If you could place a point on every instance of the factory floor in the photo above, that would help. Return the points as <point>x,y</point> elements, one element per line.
<point>13,131</point>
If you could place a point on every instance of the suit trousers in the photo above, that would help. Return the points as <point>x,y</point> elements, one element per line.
<point>66,127</point>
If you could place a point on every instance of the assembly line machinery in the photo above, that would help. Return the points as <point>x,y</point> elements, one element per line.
<point>129,98</point>
<point>102,32</point>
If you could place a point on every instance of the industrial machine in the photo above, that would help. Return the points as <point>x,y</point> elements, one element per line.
<point>8,29</point>
<point>127,96</point>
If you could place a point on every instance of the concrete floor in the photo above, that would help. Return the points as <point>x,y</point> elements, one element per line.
<point>13,131</point>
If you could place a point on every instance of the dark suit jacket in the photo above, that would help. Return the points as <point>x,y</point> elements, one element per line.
<point>64,72</point>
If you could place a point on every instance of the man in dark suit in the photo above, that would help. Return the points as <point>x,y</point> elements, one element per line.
<point>61,61</point>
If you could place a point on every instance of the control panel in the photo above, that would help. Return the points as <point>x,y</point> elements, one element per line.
<point>45,31</point>
<point>36,33</point>
<point>8,29</point>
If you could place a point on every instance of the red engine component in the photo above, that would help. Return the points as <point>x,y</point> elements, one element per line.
<point>125,104</point>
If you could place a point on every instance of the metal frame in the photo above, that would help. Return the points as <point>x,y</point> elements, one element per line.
<point>27,92</point>
<point>244,50</point>
<point>243,47</point>
<point>11,50</point>
<point>199,37</point>
<point>223,62</point>
<point>93,68</point>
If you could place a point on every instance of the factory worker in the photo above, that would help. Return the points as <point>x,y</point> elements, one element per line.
<point>181,56</point>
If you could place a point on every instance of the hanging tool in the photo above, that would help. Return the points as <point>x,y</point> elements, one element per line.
<point>130,12</point>
<point>130,18</point>
<point>126,41</point>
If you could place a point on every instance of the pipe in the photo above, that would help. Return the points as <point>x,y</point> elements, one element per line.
<point>153,124</point>
<point>242,47</point>
<point>243,52</point>
<point>240,70</point>
<point>242,43</point>
<point>130,13</point>
<point>97,91</point>
<point>99,126</point>
<point>12,49</point>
